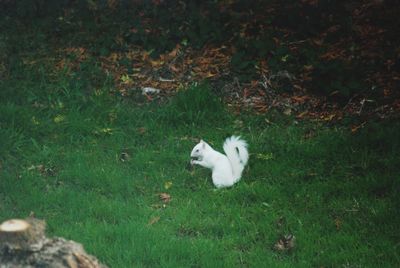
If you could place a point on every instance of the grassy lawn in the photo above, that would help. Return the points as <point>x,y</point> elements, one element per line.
<point>336,191</point>
<point>93,163</point>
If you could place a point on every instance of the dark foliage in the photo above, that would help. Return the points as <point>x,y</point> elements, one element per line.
<point>347,44</point>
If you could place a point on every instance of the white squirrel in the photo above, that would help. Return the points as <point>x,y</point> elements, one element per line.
<point>226,169</point>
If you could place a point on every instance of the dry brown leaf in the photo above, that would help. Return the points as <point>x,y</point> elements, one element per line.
<point>285,243</point>
<point>300,99</point>
<point>329,117</point>
<point>142,130</point>
<point>301,115</point>
<point>338,223</point>
<point>209,74</point>
<point>174,52</point>
<point>166,198</point>
<point>287,111</point>
<point>156,63</point>
<point>355,128</point>
<point>154,220</point>
<point>174,69</point>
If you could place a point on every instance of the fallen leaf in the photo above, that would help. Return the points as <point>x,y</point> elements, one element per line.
<point>175,51</point>
<point>103,131</point>
<point>154,220</point>
<point>125,79</point>
<point>156,63</point>
<point>285,243</point>
<point>59,119</point>
<point>329,117</point>
<point>355,128</point>
<point>280,245</point>
<point>124,156</point>
<point>41,168</point>
<point>167,185</point>
<point>287,111</point>
<point>174,69</point>
<point>301,115</point>
<point>300,99</point>
<point>32,167</point>
<point>44,171</point>
<point>142,130</point>
<point>166,198</point>
<point>209,74</point>
<point>338,223</point>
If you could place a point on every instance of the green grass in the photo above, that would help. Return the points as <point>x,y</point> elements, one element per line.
<point>62,134</point>
<point>336,191</point>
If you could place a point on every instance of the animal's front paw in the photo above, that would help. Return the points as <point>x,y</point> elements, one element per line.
<point>189,166</point>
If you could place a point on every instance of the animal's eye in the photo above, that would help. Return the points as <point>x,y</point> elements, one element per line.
<point>197,150</point>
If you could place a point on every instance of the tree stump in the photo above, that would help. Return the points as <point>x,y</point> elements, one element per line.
<point>23,244</point>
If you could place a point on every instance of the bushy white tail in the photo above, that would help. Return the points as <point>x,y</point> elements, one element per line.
<point>237,153</point>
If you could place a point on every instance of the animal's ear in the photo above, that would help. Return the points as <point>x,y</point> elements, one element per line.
<point>203,144</point>
<point>201,141</point>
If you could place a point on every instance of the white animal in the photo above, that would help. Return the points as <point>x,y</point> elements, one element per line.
<point>226,169</point>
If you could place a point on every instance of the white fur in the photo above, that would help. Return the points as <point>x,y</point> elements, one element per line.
<point>226,169</point>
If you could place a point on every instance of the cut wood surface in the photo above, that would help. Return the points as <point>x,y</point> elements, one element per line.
<point>23,244</point>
